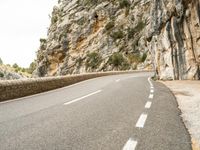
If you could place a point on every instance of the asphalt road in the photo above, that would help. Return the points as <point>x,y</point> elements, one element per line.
<point>121,112</point>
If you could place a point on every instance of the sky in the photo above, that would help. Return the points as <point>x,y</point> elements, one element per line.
<point>22,24</point>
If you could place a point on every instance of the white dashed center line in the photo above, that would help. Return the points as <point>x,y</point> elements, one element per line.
<point>118,80</point>
<point>130,145</point>
<point>148,105</point>
<point>78,99</point>
<point>141,121</point>
<point>149,79</point>
<point>151,96</point>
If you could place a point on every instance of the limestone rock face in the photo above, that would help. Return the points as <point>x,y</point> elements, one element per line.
<point>173,36</point>
<point>104,35</point>
<point>95,35</point>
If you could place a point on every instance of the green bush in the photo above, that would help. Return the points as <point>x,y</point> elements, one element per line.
<point>144,57</point>
<point>88,2</point>
<point>110,25</point>
<point>31,68</point>
<point>54,19</point>
<point>137,58</point>
<point>134,58</point>
<point>93,60</point>
<point>132,31</point>
<point>15,65</point>
<point>23,70</point>
<point>140,26</point>
<point>117,35</point>
<point>17,70</point>
<point>79,61</point>
<point>124,4</point>
<point>43,40</point>
<point>118,61</point>
<point>1,75</point>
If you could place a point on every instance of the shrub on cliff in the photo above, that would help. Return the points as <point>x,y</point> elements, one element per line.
<point>118,61</point>
<point>124,3</point>
<point>110,25</point>
<point>1,74</point>
<point>144,57</point>
<point>137,58</point>
<point>93,60</point>
<point>132,31</point>
<point>54,19</point>
<point>88,2</point>
<point>31,68</point>
<point>15,65</point>
<point>140,26</point>
<point>117,35</point>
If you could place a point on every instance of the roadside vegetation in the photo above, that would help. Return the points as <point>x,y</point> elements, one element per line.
<point>127,61</point>
<point>118,61</point>
<point>27,72</point>
<point>93,60</point>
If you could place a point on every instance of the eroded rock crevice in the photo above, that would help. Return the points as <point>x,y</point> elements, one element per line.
<point>177,50</point>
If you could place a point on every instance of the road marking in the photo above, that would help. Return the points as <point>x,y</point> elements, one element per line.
<point>51,91</point>
<point>118,80</point>
<point>78,99</point>
<point>152,91</point>
<point>148,105</point>
<point>149,79</point>
<point>130,145</point>
<point>152,87</point>
<point>151,96</point>
<point>141,121</point>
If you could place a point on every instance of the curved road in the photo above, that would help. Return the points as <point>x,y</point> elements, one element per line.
<point>121,112</point>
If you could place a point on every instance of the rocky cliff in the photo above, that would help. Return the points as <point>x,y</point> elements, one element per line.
<point>174,38</point>
<point>103,35</point>
<point>94,35</point>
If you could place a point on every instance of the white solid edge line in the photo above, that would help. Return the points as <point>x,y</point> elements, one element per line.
<point>51,91</point>
<point>130,144</point>
<point>48,92</point>
<point>148,105</point>
<point>141,121</point>
<point>80,98</point>
<point>151,84</point>
<point>151,96</point>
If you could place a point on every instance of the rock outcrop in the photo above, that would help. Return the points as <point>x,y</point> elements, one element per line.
<point>174,38</point>
<point>94,35</point>
<point>8,73</point>
<point>103,35</point>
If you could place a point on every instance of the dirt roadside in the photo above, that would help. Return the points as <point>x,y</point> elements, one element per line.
<point>187,94</point>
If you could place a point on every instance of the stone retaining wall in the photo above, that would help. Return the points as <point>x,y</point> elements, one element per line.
<point>19,88</point>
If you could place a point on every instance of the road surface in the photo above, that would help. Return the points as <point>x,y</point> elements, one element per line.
<point>120,112</point>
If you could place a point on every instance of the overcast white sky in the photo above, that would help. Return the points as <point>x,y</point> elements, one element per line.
<point>22,24</point>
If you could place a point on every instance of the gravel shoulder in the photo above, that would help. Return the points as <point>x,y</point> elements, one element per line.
<point>187,94</point>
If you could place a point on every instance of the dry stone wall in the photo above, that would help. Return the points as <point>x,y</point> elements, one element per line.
<point>11,89</point>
